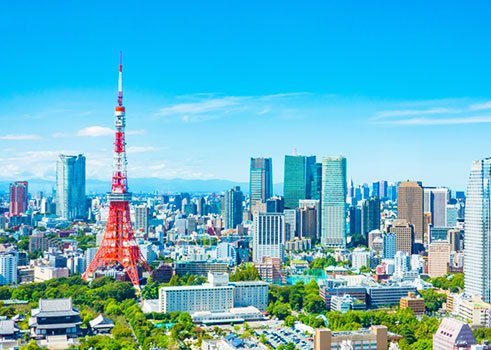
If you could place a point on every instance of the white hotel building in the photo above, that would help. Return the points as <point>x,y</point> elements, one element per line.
<point>218,295</point>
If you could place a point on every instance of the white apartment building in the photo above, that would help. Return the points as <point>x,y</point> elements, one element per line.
<point>8,269</point>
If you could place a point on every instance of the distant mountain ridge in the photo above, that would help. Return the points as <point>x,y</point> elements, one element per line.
<point>148,185</point>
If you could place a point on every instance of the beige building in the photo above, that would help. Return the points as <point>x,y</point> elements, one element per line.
<point>46,273</point>
<point>438,258</point>
<point>477,312</point>
<point>404,235</point>
<point>410,206</point>
<point>453,237</point>
<point>375,338</point>
<point>416,304</point>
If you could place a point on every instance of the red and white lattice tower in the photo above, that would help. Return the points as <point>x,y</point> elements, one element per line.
<point>119,244</point>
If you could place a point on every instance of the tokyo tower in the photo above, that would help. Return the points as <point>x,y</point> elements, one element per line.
<point>119,244</point>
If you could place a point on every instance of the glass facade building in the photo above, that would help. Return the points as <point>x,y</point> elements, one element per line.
<point>261,180</point>
<point>70,187</point>
<point>298,180</point>
<point>333,203</point>
<point>233,208</point>
<point>268,236</point>
<point>477,268</point>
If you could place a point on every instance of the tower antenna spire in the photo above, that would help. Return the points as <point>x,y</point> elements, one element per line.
<point>120,83</point>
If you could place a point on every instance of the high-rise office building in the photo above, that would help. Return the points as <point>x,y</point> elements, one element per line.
<point>375,189</point>
<point>291,224</point>
<point>233,208</point>
<point>317,182</point>
<point>268,236</point>
<point>435,202</point>
<point>141,218</point>
<point>404,235</point>
<point>382,189</point>
<point>298,180</point>
<point>333,203</point>
<point>18,198</point>
<point>410,206</point>
<point>8,269</point>
<point>275,205</point>
<point>261,180</point>
<point>390,245</point>
<point>70,187</point>
<point>354,221</point>
<point>309,219</point>
<point>477,236</point>
<point>370,215</point>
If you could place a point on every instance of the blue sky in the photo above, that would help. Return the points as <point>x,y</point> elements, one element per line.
<point>402,89</point>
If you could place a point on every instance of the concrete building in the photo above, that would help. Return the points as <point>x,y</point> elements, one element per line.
<point>410,207</point>
<point>333,203</point>
<point>46,273</point>
<point>141,218</point>
<point>18,198</point>
<point>388,295</point>
<point>309,219</point>
<point>269,236</point>
<point>374,338</point>
<point>218,295</point>
<point>453,334</point>
<point>404,235</point>
<point>476,312</point>
<point>251,293</point>
<point>417,304</point>
<point>438,258</point>
<point>270,270</point>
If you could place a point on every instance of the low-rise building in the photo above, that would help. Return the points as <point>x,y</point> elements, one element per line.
<point>417,304</point>
<point>270,270</point>
<point>477,312</point>
<point>46,273</point>
<point>55,317</point>
<point>251,293</point>
<point>199,268</point>
<point>375,338</point>
<point>453,334</point>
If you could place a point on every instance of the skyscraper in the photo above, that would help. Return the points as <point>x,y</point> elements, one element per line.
<point>18,198</point>
<point>477,267</point>
<point>308,215</point>
<point>333,203</point>
<point>317,182</point>
<point>410,206</point>
<point>298,180</point>
<point>370,215</point>
<point>261,180</point>
<point>435,202</point>
<point>268,236</point>
<point>354,220</point>
<point>70,187</point>
<point>233,208</point>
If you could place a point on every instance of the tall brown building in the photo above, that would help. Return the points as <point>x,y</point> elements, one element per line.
<point>404,235</point>
<point>410,206</point>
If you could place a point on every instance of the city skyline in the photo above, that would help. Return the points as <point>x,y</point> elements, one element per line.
<point>377,94</point>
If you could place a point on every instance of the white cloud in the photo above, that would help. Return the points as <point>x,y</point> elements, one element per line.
<point>201,107</point>
<point>480,106</point>
<point>412,112</point>
<point>439,121</point>
<point>20,137</point>
<point>140,149</point>
<point>94,131</point>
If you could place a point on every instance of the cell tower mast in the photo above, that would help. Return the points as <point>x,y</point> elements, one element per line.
<point>119,244</point>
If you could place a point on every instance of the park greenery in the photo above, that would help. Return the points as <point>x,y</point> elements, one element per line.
<point>116,300</point>
<point>245,272</point>
<point>451,282</point>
